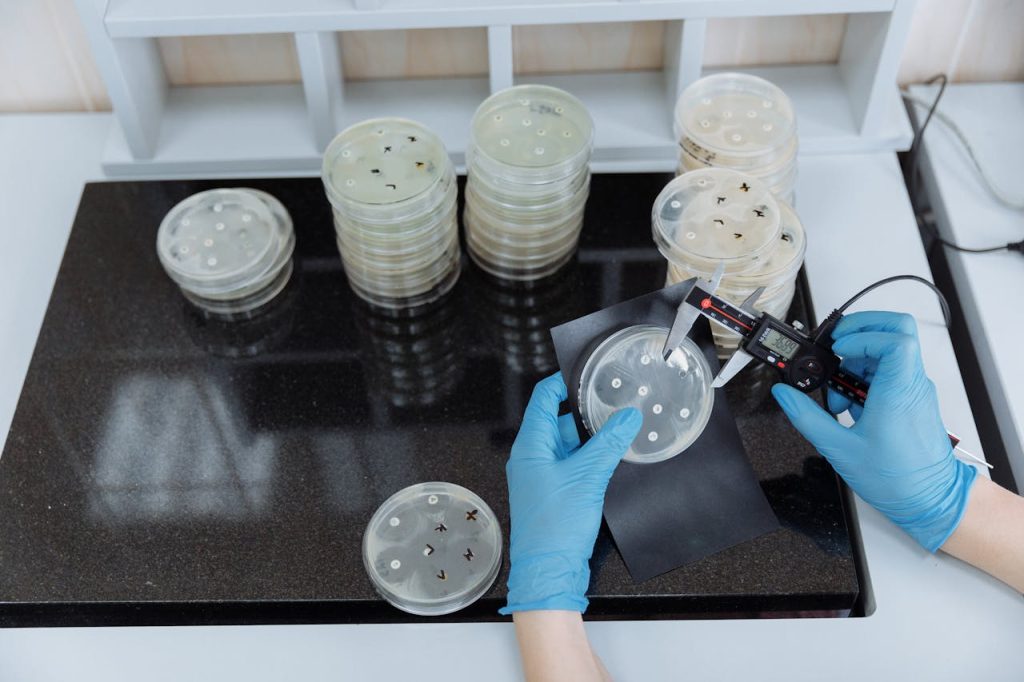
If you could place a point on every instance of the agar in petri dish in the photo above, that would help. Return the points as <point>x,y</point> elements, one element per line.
<point>218,239</point>
<point>533,126</point>
<point>432,548</point>
<point>675,396</point>
<point>715,215</point>
<point>727,117</point>
<point>229,250</point>
<point>383,161</point>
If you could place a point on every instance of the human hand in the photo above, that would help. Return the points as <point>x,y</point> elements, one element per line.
<point>556,496</point>
<point>897,455</point>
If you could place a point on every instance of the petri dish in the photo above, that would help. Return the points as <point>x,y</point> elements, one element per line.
<point>432,548</point>
<point>531,133</point>
<point>734,119</point>
<point>675,396</point>
<point>218,240</point>
<point>229,250</point>
<point>386,169</point>
<point>715,215</point>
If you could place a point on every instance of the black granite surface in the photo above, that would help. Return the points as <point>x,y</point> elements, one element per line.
<point>167,468</point>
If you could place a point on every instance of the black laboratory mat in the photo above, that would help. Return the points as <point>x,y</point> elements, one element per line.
<point>164,468</point>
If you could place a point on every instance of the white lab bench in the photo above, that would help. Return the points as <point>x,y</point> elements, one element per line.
<point>933,618</point>
<point>966,214</point>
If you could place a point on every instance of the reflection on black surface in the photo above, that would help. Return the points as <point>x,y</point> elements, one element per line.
<point>517,316</point>
<point>175,449</point>
<point>248,334</point>
<point>414,355</point>
<point>800,501</point>
<point>751,389</point>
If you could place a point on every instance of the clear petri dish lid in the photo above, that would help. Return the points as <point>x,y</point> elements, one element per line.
<point>432,548</point>
<point>715,215</point>
<point>219,240</point>
<point>385,168</point>
<point>675,396</point>
<point>285,228</point>
<point>693,155</point>
<point>532,133</point>
<point>736,116</point>
<point>784,261</point>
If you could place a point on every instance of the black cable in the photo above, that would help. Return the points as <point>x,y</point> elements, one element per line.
<point>913,159</point>
<point>914,154</point>
<point>824,332</point>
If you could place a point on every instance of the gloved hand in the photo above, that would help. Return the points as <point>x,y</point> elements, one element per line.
<point>556,496</point>
<point>897,456</point>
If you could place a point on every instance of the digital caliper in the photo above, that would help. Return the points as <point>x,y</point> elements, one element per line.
<point>802,361</point>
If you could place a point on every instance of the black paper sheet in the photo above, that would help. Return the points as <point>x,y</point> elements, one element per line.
<point>704,500</point>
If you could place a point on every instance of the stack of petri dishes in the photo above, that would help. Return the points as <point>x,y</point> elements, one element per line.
<point>713,216</point>
<point>528,168</point>
<point>742,122</point>
<point>393,192</point>
<point>229,250</point>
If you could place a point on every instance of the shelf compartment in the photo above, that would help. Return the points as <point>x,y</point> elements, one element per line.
<point>224,129</point>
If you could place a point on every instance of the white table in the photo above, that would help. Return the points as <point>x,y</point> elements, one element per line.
<point>989,285</point>
<point>933,618</point>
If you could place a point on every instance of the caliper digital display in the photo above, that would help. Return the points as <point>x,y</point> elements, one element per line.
<point>783,346</point>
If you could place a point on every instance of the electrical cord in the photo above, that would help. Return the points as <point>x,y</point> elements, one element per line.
<point>914,159</point>
<point>998,193</point>
<point>915,146</point>
<point>823,335</point>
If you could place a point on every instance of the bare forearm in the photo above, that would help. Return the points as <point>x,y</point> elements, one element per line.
<point>554,646</point>
<point>990,535</point>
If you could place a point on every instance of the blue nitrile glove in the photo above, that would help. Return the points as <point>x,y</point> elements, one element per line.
<point>896,456</point>
<point>556,495</point>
